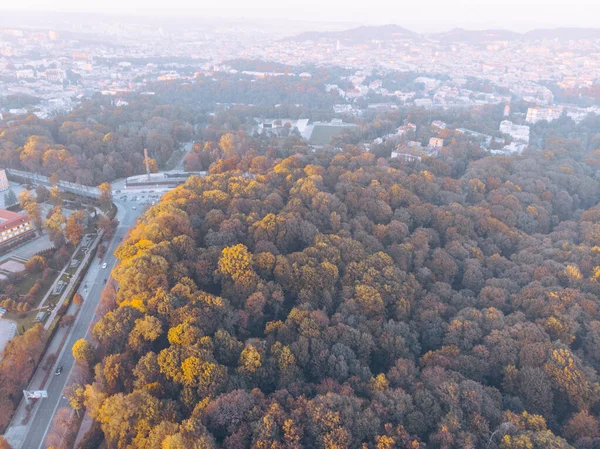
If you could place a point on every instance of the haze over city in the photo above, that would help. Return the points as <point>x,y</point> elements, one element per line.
<point>422,16</point>
<point>305,224</point>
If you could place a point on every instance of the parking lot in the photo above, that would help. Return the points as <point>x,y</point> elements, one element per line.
<point>139,197</point>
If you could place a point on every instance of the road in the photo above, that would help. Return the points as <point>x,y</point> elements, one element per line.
<point>41,422</point>
<point>66,186</point>
<point>187,148</point>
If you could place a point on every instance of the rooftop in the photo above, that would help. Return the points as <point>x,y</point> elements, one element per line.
<point>10,219</point>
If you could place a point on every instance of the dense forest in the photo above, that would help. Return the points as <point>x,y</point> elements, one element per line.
<point>297,299</point>
<point>98,141</point>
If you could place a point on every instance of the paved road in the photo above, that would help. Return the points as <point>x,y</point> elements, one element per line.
<point>40,423</point>
<point>187,148</point>
<point>42,420</point>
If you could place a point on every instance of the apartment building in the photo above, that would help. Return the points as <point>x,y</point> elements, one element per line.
<point>14,227</point>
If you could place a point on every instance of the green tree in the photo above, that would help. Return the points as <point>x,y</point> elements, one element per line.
<point>10,198</point>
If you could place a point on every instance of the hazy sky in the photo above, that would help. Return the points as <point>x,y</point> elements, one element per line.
<point>418,15</point>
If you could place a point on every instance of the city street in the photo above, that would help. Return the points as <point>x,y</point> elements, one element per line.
<point>131,203</point>
<point>41,420</point>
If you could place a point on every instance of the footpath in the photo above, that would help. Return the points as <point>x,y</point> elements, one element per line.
<point>68,290</point>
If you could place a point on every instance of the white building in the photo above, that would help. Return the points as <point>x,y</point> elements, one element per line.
<point>438,124</point>
<point>423,102</point>
<point>538,114</point>
<point>520,133</point>
<point>25,74</point>
<point>512,148</point>
<point>55,75</point>
<point>429,83</point>
<point>436,142</point>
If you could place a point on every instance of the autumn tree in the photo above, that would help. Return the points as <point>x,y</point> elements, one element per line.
<point>55,196</point>
<point>54,226</point>
<point>61,431</point>
<point>74,227</point>
<point>105,194</point>
<point>83,352</point>
<point>31,206</point>
<point>36,264</point>
<point>4,444</point>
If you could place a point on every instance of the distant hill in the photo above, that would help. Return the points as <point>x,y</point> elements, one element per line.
<point>368,34</point>
<point>475,36</point>
<point>564,34</point>
<point>482,36</point>
<point>361,35</point>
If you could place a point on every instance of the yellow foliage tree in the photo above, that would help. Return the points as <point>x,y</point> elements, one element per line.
<point>250,360</point>
<point>83,351</point>
<point>573,273</point>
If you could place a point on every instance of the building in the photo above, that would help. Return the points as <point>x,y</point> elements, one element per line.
<point>169,77</point>
<point>511,148</point>
<point>406,157</point>
<point>276,126</point>
<point>321,133</point>
<point>423,102</point>
<point>413,151</point>
<point>408,130</point>
<point>55,75</point>
<point>538,114</point>
<point>14,228</point>
<point>436,142</point>
<point>439,124</point>
<point>25,74</point>
<point>3,180</point>
<point>519,133</point>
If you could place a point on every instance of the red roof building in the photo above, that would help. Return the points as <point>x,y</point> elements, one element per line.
<point>13,227</point>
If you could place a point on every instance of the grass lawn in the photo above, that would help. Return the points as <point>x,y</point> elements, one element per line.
<point>22,319</point>
<point>66,278</point>
<point>27,282</point>
<point>110,211</point>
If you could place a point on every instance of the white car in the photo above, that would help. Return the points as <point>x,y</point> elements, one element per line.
<point>104,265</point>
